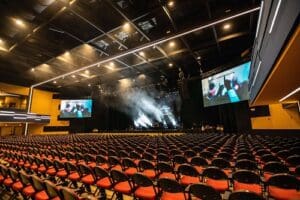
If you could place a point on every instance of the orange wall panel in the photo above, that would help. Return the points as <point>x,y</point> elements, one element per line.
<point>279,119</point>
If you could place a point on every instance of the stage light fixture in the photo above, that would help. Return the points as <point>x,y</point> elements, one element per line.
<point>19,22</point>
<point>227,26</point>
<point>171,4</point>
<point>170,64</point>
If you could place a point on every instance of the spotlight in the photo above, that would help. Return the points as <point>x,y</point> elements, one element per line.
<point>171,4</point>
<point>87,71</point>
<point>32,69</point>
<point>89,85</point>
<point>112,64</point>
<point>170,64</point>
<point>126,26</point>
<point>171,44</point>
<point>226,26</point>
<point>19,22</point>
<point>142,54</point>
<point>54,82</point>
<point>73,76</point>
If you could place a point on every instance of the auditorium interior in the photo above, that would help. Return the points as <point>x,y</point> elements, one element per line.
<point>149,100</point>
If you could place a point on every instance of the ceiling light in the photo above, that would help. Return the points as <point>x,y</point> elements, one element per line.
<point>171,44</point>
<point>226,26</point>
<point>1,41</point>
<point>54,82</point>
<point>142,53</point>
<point>259,18</point>
<point>168,31</point>
<point>228,10</point>
<point>87,71</point>
<point>290,94</point>
<point>73,76</point>
<point>19,22</point>
<point>275,16</point>
<point>171,4</point>
<point>32,69</point>
<point>170,64</point>
<point>126,26</point>
<point>198,57</point>
<point>89,85</point>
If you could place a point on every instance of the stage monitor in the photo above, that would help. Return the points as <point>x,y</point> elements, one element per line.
<point>229,86</point>
<point>77,108</point>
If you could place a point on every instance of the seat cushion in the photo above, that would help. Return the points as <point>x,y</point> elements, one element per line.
<point>256,188</point>
<point>62,173</point>
<point>88,179</point>
<point>18,186</point>
<point>42,169</point>
<point>51,171</point>
<point>1,178</point>
<point>150,173</point>
<point>219,185</point>
<point>173,196</point>
<point>104,166</point>
<point>92,164</point>
<point>130,171</point>
<point>42,195</point>
<point>187,180</point>
<point>167,175</point>
<point>283,194</point>
<point>28,191</point>
<point>74,176</point>
<point>34,167</point>
<point>123,187</point>
<point>104,183</point>
<point>145,192</point>
<point>8,182</point>
<point>267,175</point>
<point>117,167</point>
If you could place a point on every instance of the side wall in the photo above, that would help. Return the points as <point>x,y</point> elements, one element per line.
<point>42,103</point>
<point>279,119</point>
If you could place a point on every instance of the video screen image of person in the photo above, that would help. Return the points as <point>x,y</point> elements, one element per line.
<point>226,87</point>
<point>76,108</point>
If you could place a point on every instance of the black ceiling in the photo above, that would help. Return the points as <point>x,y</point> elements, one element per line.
<point>41,39</point>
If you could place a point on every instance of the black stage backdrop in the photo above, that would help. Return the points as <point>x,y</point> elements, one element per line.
<point>235,117</point>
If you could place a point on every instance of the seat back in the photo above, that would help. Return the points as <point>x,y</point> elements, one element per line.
<point>203,192</point>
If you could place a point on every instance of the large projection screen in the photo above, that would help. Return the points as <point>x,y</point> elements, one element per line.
<point>229,86</point>
<point>77,108</point>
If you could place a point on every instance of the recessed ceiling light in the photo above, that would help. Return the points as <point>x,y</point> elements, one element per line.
<point>73,76</point>
<point>168,31</point>
<point>112,64</point>
<point>1,41</point>
<point>171,3</point>
<point>226,26</point>
<point>54,82</point>
<point>172,44</point>
<point>198,57</point>
<point>32,69</point>
<point>19,22</point>
<point>89,85</point>
<point>170,64</point>
<point>126,26</point>
<point>142,53</point>
<point>87,71</point>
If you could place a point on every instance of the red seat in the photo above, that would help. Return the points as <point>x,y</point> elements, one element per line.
<point>88,179</point>
<point>256,188</point>
<point>28,191</point>
<point>283,194</point>
<point>42,169</point>
<point>62,173</point>
<point>123,187</point>
<point>51,171</point>
<point>145,193</point>
<point>130,171</point>
<point>150,173</point>
<point>1,178</point>
<point>42,195</point>
<point>74,176</point>
<point>104,183</point>
<point>219,185</point>
<point>187,180</point>
<point>8,182</point>
<point>167,175</point>
<point>18,186</point>
<point>173,196</point>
